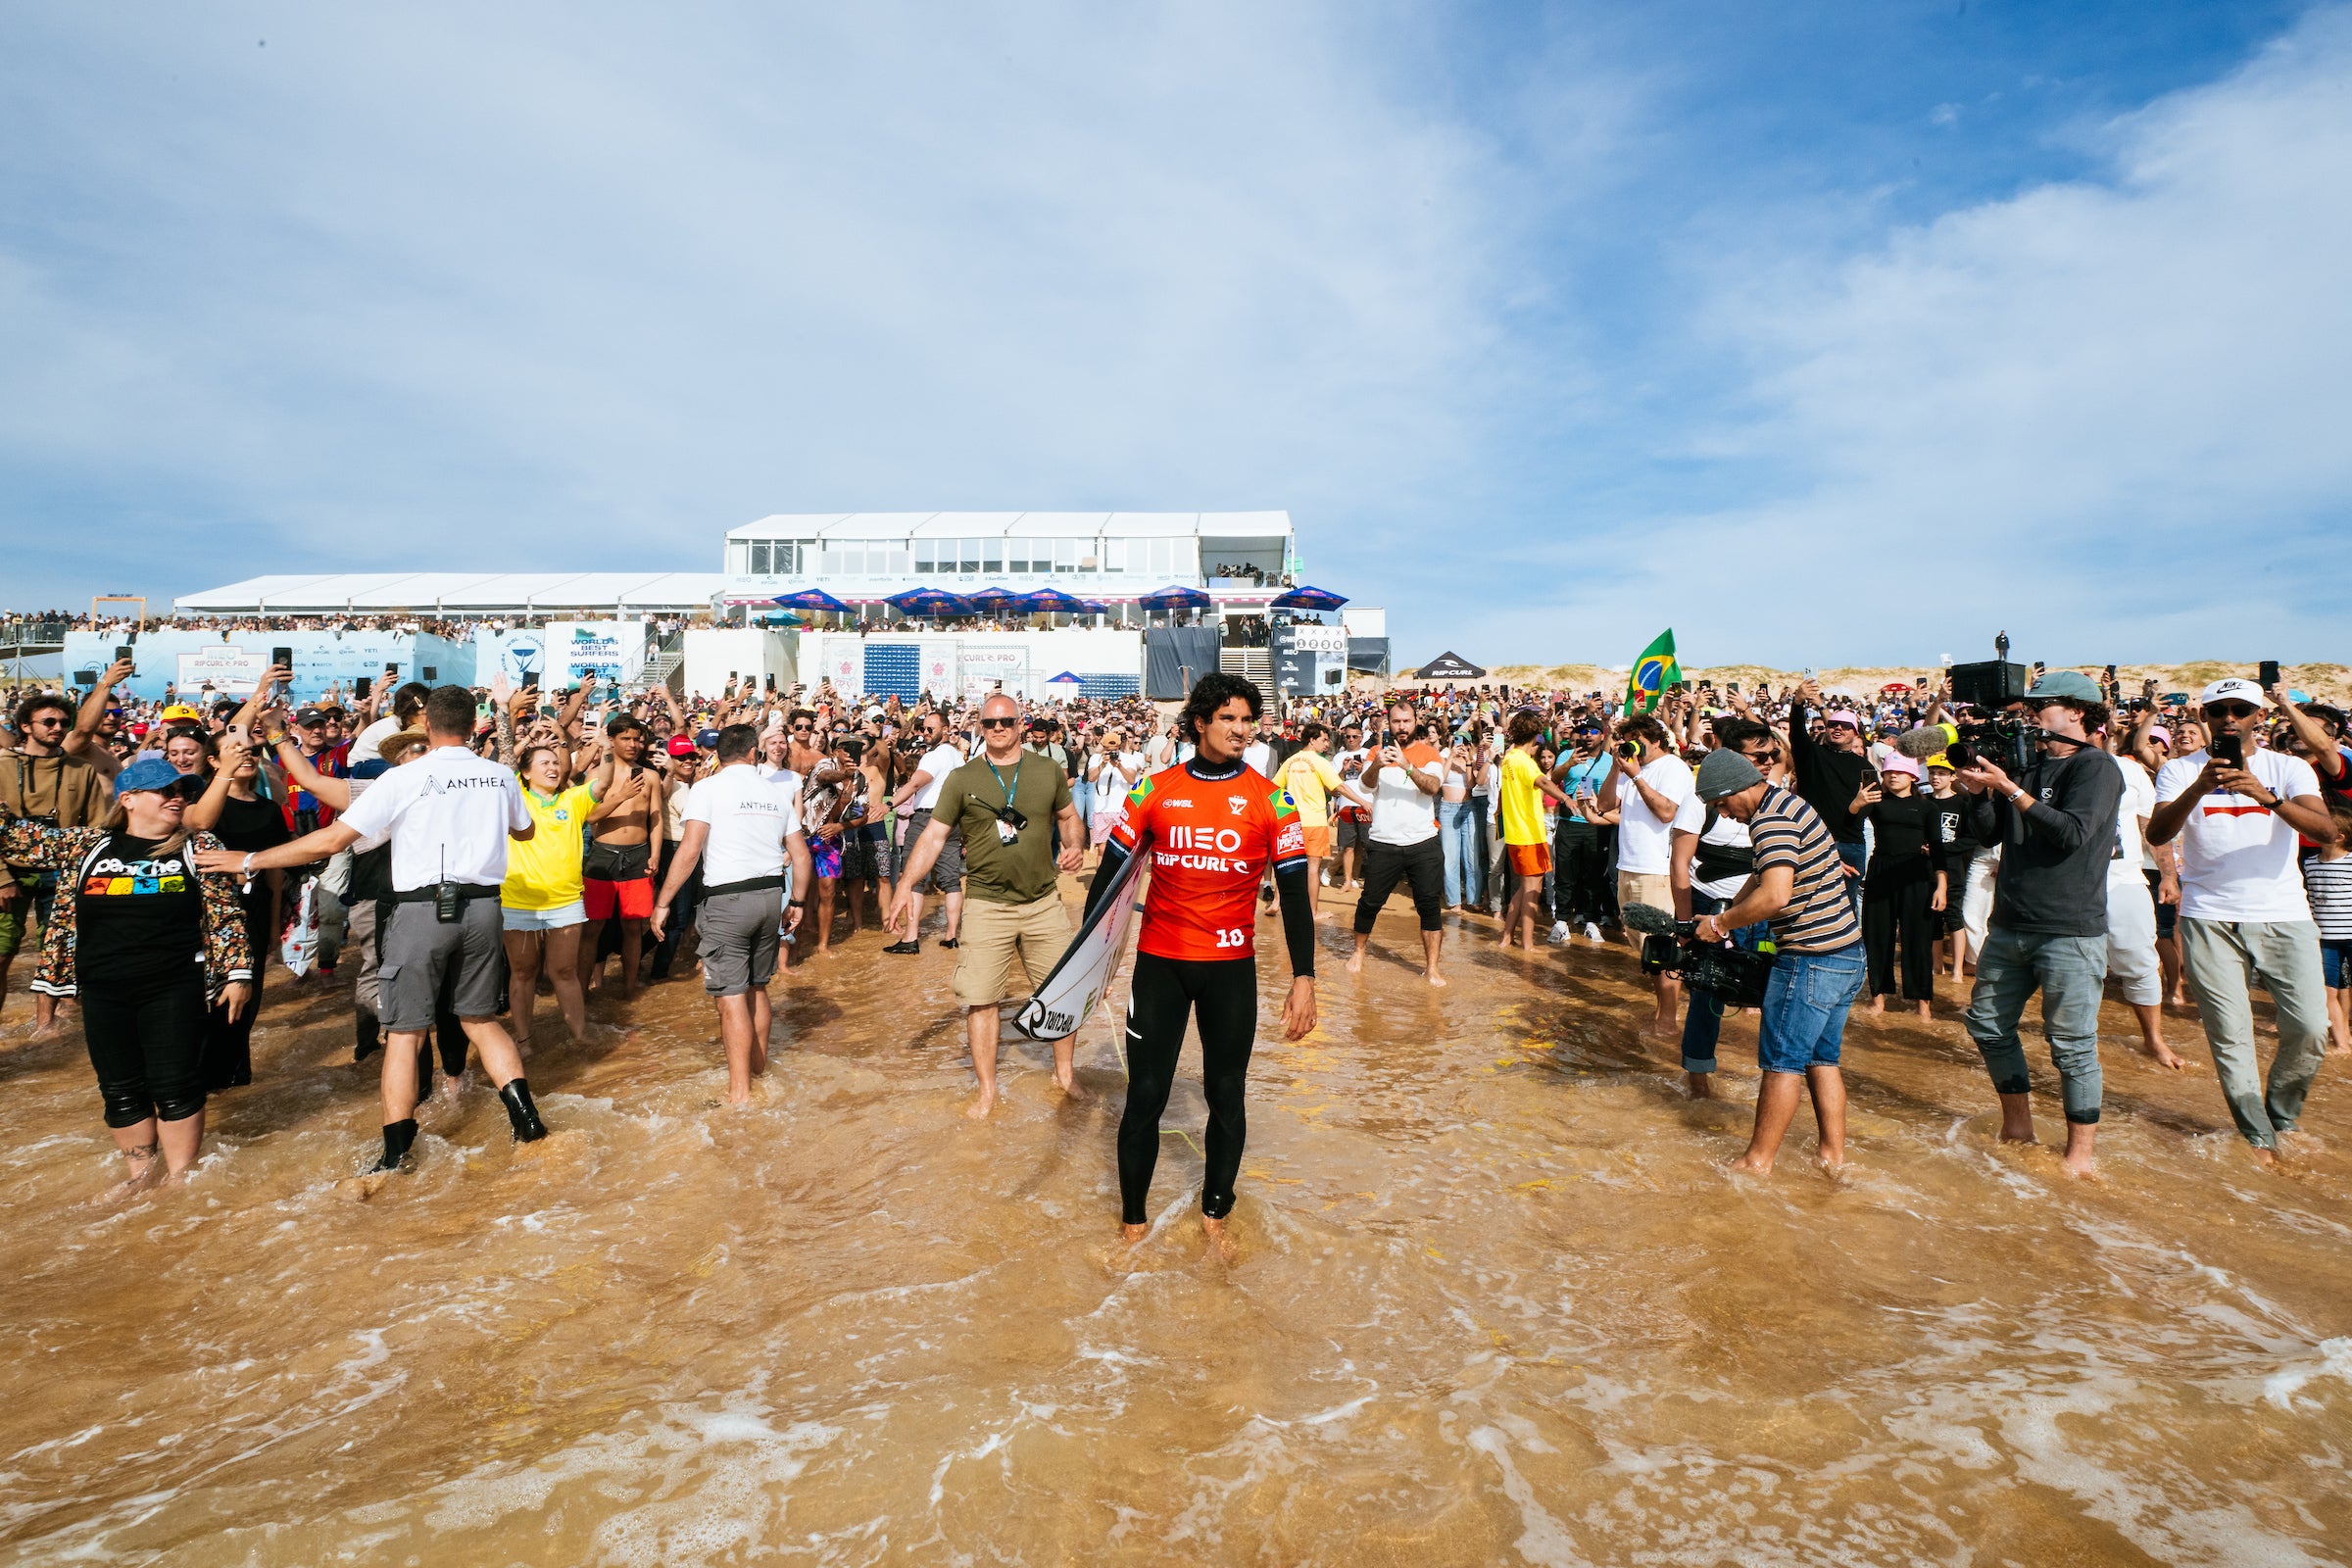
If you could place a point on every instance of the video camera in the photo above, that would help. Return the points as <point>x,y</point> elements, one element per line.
<point>2009,741</point>
<point>1737,976</point>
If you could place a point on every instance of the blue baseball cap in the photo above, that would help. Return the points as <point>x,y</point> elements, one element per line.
<point>152,774</point>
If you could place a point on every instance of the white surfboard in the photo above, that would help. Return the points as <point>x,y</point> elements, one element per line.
<point>1063,1003</point>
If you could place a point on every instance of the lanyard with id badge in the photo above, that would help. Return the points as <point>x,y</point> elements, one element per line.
<point>1009,822</point>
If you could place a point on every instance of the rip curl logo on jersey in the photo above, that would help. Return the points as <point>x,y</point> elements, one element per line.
<point>1238,803</point>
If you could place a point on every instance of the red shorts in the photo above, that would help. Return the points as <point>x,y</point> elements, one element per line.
<point>1526,859</point>
<point>632,900</point>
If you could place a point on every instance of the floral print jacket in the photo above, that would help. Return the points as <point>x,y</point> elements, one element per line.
<point>67,850</point>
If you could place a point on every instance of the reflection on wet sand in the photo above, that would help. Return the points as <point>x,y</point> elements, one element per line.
<point>1494,1302</point>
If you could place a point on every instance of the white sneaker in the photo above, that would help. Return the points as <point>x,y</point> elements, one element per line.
<point>1592,932</point>
<point>1559,932</point>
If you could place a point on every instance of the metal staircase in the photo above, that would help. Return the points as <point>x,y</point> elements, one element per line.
<point>1250,663</point>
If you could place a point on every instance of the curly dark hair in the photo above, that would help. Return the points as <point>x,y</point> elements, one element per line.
<point>1214,690</point>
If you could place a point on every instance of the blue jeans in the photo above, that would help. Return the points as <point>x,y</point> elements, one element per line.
<point>1805,1008</point>
<point>1460,834</point>
<point>2070,972</point>
<point>1082,796</point>
<point>1703,1024</point>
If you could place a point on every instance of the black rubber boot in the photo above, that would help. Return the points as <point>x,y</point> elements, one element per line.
<point>529,1128</point>
<point>399,1136</point>
<point>368,1035</point>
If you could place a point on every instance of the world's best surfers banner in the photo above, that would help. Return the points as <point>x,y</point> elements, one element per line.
<point>613,651</point>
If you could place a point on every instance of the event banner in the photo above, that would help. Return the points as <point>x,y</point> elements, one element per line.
<point>514,655</point>
<point>981,671</point>
<point>939,667</point>
<point>324,661</point>
<point>613,651</point>
<point>229,671</point>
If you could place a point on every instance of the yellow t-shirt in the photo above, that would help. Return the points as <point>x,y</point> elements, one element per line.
<point>1522,801</point>
<point>543,872</point>
<point>1310,778</point>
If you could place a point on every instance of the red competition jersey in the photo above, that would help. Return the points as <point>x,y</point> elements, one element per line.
<point>1210,840</point>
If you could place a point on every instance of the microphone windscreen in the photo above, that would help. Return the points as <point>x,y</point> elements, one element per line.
<point>1649,919</point>
<point>1921,744</point>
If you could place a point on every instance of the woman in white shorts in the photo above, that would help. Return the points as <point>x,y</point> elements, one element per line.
<point>541,898</point>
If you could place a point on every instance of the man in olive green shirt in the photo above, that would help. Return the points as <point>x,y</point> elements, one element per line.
<point>1003,804</point>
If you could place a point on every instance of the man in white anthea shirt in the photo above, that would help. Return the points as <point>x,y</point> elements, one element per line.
<point>742,827</point>
<point>449,815</point>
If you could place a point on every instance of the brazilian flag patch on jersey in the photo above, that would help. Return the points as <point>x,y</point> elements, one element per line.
<point>1283,804</point>
<point>1141,792</point>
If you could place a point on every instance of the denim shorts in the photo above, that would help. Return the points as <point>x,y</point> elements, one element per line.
<point>2336,963</point>
<point>1805,1005</point>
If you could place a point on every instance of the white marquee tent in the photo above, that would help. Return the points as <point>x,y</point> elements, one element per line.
<point>461,593</point>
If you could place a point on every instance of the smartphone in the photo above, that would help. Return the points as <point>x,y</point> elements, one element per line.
<point>531,680</point>
<point>360,687</point>
<point>282,658</point>
<point>1731,685</point>
<point>122,655</point>
<point>2228,749</point>
<point>2270,674</point>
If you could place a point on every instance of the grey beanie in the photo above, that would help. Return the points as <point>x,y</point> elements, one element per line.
<point>1723,772</point>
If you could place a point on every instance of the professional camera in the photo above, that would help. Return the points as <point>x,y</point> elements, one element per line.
<point>1735,975</point>
<point>2008,742</point>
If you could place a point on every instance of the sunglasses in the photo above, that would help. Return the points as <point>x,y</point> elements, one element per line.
<point>1000,723</point>
<point>803,729</point>
<point>188,788</point>
<point>2228,709</point>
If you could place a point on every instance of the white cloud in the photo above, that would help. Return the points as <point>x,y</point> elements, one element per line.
<point>400,284</point>
<point>2109,413</point>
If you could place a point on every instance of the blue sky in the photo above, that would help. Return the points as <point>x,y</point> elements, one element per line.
<point>1823,333</point>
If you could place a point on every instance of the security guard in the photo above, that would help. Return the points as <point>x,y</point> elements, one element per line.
<point>449,815</point>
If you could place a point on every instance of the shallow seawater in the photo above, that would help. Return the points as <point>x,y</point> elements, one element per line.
<point>1494,1303</point>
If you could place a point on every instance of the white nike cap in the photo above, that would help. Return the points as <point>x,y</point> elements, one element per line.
<point>2235,689</point>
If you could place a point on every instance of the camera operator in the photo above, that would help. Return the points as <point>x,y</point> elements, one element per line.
<point>1798,885</point>
<point>1712,859</point>
<point>2236,809</point>
<point>2048,931</point>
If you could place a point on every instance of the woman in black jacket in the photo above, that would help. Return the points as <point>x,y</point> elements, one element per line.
<point>1905,889</point>
<point>149,944</point>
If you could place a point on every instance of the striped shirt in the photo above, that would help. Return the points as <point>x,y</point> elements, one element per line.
<point>1818,917</point>
<point>2329,884</point>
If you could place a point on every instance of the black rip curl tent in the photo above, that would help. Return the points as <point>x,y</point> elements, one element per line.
<point>1449,666</point>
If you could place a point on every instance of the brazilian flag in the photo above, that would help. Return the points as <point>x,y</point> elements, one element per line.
<point>1653,672</point>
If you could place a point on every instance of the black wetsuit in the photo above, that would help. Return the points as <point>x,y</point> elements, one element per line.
<point>1221,995</point>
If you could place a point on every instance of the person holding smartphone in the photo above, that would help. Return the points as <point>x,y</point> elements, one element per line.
<point>2236,809</point>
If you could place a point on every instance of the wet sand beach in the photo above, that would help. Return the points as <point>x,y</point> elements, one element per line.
<point>1496,1301</point>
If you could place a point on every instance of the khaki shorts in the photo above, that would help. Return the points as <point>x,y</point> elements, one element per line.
<point>1634,887</point>
<point>993,932</point>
